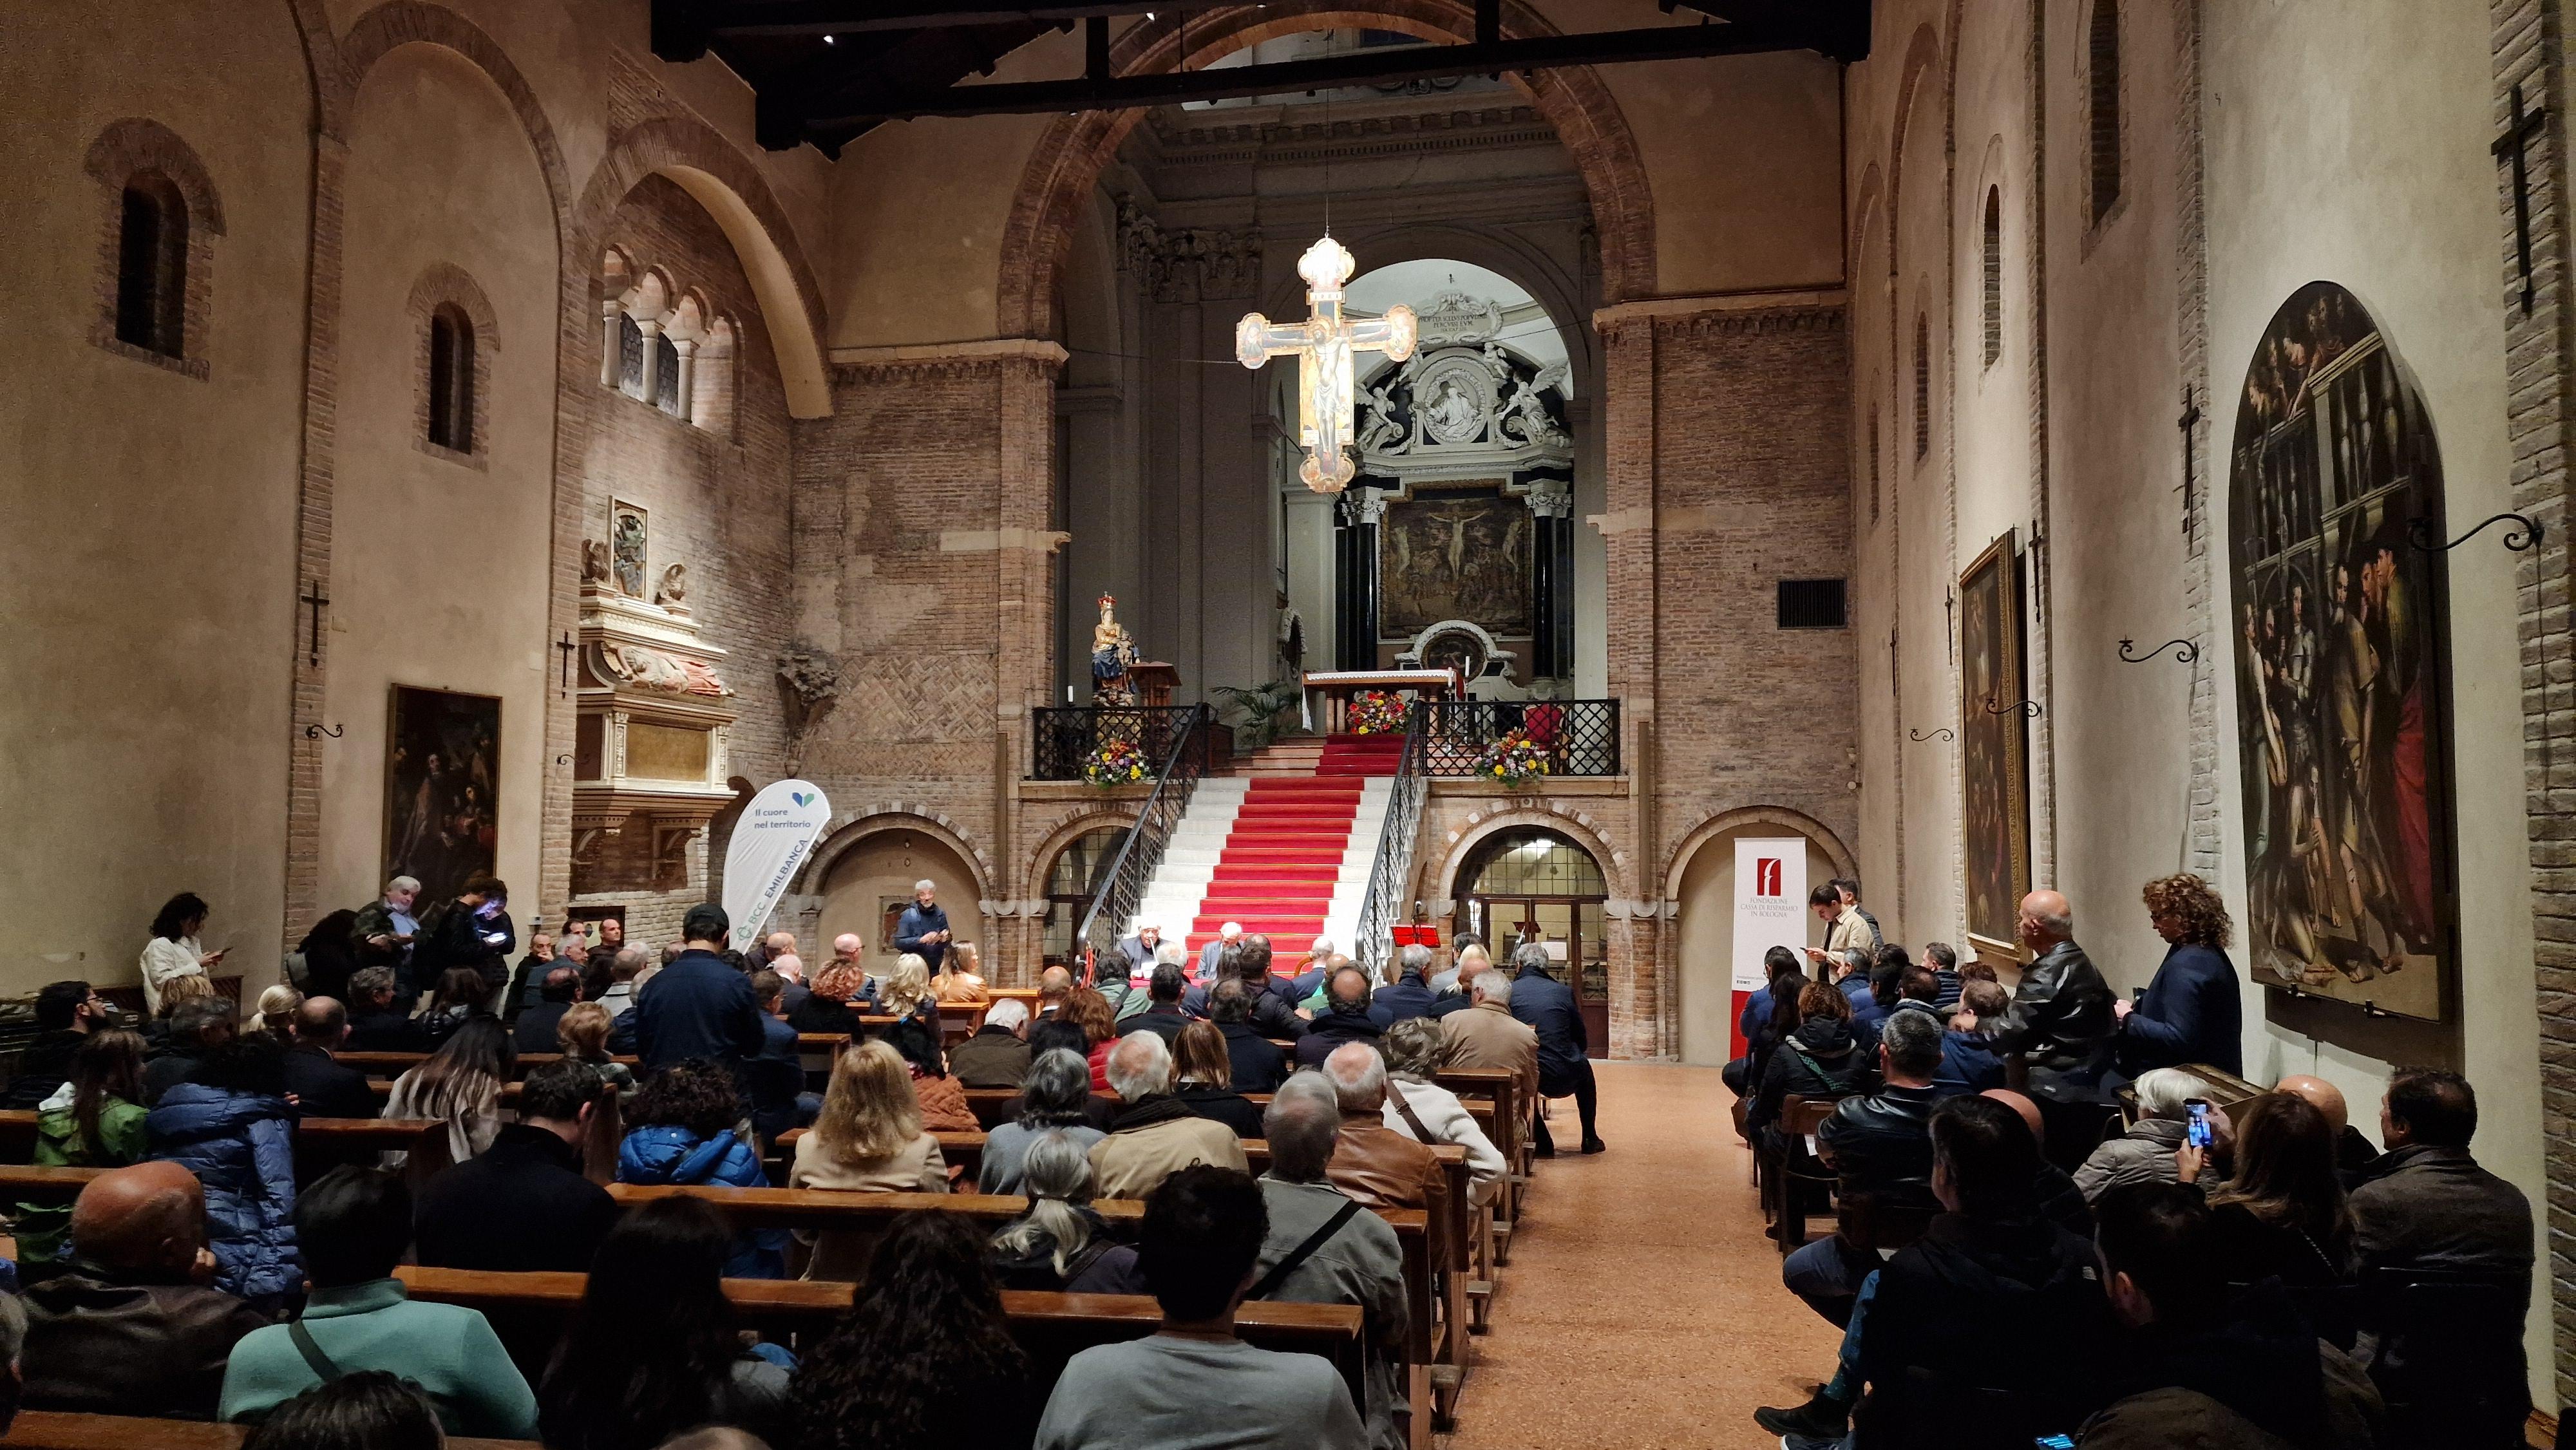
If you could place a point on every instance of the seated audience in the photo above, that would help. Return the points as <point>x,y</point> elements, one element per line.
<point>997,1056</point>
<point>1820,1058</point>
<point>1162,1013</point>
<point>1258,1063</point>
<point>322,1087</point>
<point>1060,1243</point>
<point>66,1014</point>
<point>229,1124</point>
<point>156,1027</point>
<point>1379,1166</point>
<point>195,1026</point>
<point>1318,1251</point>
<point>2194,1007</point>
<point>1274,1001</point>
<point>2051,1187</point>
<point>626,969</point>
<point>458,999</point>
<point>354,1226</point>
<point>1092,1012</point>
<point>522,1204</point>
<point>653,1350</point>
<point>1849,973</point>
<point>960,977</point>
<point>1488,1035</point>
<point>1347,1017</point>
<point>1205,1080</point>
<point>557,990</point>
<point>1203,1234</point>
<point>1056,1097</point>
<point>699,1006</point>
<point>923,1360</point>
<point>377,1022</point>
<point>1755,1023</point>
<point>773,1082</point>
<point>1155,1133</point>
<point>129,1327</point>
<point>582,1036</point>
<point>1968,1061</point>
<point>1995,1318</point>
<point>459,1085</point>
<point>2145,1153</point>
<point>1409,995</point>
<point>1943,959</point>
<point>2426,1205</point>
<point>2282,1214</point>
<point>95,1120</point>
<point>1054,985</point>
<point>1416,1050</point>
<point>373,1409</point>
<point>1915,990</point>
<point>686,1127</point>
<point>2354,1152</point>
<point>2205,1364</point>
<point>276,1013</point>
<point>1456,986</point>
<point>1878,1143</point>
<point>1888,966</point>
<point>867,1139</point>
<point>916,1032</point>
<point>1564,1060</point>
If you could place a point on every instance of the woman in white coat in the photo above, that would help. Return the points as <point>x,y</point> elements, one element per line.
<point>1429,1113</point>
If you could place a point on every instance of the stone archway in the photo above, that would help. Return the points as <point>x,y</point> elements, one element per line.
<point>869,865</point>
<point>1697,926</point>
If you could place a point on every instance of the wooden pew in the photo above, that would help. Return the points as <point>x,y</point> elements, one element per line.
<point>321,1144</point>
<point>390,1065</point>
<point>1050,1326</point>
<point>53,1430</point>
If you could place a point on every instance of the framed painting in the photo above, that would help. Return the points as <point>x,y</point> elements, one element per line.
<point>1454,553</point>
<point>2342,682</point>
<point>442,787</point>
<point>1994,754</point>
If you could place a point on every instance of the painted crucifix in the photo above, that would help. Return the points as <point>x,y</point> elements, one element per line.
<point>1324,344</point>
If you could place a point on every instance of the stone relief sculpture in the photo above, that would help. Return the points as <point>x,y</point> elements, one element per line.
<point>674,592</point>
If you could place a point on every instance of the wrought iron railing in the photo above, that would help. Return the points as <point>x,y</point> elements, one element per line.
<point>1123,882</point>
<point>1581,737</point>
<point>1390,888</point>
<point>1066,735</point>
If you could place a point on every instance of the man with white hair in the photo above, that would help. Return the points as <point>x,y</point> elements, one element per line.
<point>1156,1134</point>
<point>923,928</point>
<point>1324,1247</point>
<point>384,929</point>
<point>998,1054</point>
<point>2145,1153</point>
<point>1226,935</point>
<point>1137,954</point>
<point>1409,995</point>
<point>1488,1035</point>
<point>1372,1162</point>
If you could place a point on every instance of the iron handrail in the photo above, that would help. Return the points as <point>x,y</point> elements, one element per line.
<point>1391,875</point>
<point>1123,885</point>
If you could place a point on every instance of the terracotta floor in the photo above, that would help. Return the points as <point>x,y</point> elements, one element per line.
<point>1642,1306</point>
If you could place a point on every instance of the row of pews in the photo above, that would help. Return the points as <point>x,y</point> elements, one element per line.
<point>1452,1257</point>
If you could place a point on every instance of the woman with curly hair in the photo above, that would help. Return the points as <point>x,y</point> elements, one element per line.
<point>2192,1012</point>
<point>923,1359</point>
<point>685,1127</point>
<point>832,1001</point>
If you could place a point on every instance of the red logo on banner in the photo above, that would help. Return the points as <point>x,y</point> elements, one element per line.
<point>1766,875</point>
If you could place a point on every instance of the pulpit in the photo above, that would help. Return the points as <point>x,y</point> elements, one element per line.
<point>1153,681</point>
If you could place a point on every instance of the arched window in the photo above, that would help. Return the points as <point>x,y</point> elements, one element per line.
<point>1994,275</point>
<point>2105,102</point>
<point>630,357</point>
<point>666,374</point>
<point>451,378</point>
<point>1922,387</point>
<point>152,266</point>
<point>1070,882</point>
<point>1535,885</point>
<point>1873,463</point>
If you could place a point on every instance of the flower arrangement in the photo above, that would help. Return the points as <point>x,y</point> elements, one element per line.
<point>1115,762</point>
<point>1514,760</point>
<point>1377,712</point>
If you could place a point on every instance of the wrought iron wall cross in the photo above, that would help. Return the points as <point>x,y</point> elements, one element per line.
<point>2509,146</point>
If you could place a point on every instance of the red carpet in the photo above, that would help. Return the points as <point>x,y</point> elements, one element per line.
<point>1277,871</point>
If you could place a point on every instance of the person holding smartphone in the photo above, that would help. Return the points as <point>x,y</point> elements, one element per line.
<point>474,930</point>
<point>174,950</point>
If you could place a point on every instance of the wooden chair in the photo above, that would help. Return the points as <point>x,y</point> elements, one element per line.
<point>1873,1221</point>
<point>1797,1170</point>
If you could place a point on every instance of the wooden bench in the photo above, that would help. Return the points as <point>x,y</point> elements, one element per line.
<point>389,1065</point>
<point>321,1144</point>
<point>53,1430</point>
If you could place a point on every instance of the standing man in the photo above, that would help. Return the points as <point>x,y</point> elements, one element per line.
<point>1845,928</point>
<point>923,928</point>
<point>384,930</point>
<point>2060,1022</point>
<point>1226,936</point>
<point>1849,891</point>
<point>700,1006</point>
<point>474,931</point>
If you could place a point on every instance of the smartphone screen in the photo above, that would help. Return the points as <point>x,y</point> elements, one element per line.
<point>2054,1442</point>
<point>2199,1135</point>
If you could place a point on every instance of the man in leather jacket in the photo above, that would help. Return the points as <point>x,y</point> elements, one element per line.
<point>2060,1021</point>
<point>1878,1143</point>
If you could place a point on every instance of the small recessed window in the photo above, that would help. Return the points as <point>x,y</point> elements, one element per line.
<point>1811,604</point>
<point>2105,106</point>
<point>1994,275</point>
<point>666,374</point>
<point>451,379</point>
<point>152,266</point>
<point>1922,387</point>
<point>630,357</point>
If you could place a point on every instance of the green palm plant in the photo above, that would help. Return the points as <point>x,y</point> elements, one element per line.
<point>1259,710</point>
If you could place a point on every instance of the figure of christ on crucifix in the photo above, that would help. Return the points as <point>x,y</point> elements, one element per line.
<point>1324,344</point>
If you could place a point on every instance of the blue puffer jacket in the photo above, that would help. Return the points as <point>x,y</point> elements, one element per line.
<point>668,1153</point>
<point>241,1147</point>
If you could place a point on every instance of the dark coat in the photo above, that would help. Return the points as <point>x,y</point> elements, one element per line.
<point>1968,1065</point>
<point>1165,1022</point>
<point>2435,1208</point>
<point>2262,1362</point>
<point>2061,1024</point>
<point>98,1344</point>
<point>1882,1142</point>
<point>916,920</point>
<point>45,1065</point>
<point>241,1147</point>
<point>1867,1014</point>
<point>822,1014</point>
<point>1331,1030</point>
<point>1985,1332</point>
<point>535,1029</point>
<point>386,1031</point>
<point>168,1068</point>
<point>1549,1007</point>
<point>1259,1065</point>
<point>772,1080</point>
<point>519,1206</point>
<point>698,1007</point>
<point>325,1089</point>
<point>1409,997</point>
<point>1222,1105</point>
<point>1820,1060</point>
<point>457,937</point>
<point>2193,1012</point>
<point>993,1057</point>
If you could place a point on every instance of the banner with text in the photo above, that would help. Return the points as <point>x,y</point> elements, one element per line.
<point>770,843</point>
<point>1770,904</point>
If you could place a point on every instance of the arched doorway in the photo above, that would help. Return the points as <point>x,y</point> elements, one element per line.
<point>866,887</point>
<point>1533,884</point>
<point>1070,883</point>
<point>1705,931</point>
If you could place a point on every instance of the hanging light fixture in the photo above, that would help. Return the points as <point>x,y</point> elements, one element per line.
<point>1324,343</point>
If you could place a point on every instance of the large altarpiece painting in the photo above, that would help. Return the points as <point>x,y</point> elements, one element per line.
<point>1994,748</point>
<point>1454,552</point>
<point>442,787</point>
<point>2341,677</point>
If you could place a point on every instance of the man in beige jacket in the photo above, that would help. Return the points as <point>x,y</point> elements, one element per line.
<point>1156,1135</point>
<point>1488,1035</point>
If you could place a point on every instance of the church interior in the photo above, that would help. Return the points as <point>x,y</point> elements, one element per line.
<point>1585,478</point>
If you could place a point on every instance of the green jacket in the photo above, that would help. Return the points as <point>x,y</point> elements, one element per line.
<point>450,1352</point>
<point>42,1227</point>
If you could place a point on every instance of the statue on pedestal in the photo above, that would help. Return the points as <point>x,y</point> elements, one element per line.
<point>1112,651</point>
